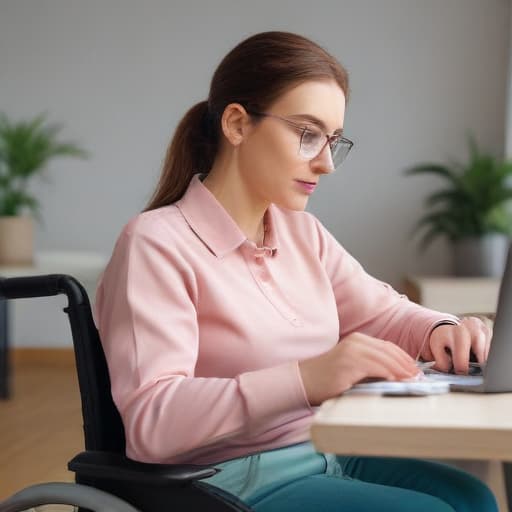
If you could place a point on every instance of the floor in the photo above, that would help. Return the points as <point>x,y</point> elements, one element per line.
<point>40,426</point>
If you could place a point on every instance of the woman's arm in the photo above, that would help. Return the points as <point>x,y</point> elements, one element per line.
<point>373,307</point>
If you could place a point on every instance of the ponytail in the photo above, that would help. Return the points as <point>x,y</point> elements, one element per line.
<point>191,151</point>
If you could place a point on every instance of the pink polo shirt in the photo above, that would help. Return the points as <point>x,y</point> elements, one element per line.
<point>203,331</point>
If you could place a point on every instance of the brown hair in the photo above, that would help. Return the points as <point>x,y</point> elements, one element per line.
<point>254,73</point>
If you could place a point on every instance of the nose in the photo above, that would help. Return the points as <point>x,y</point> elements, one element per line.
<point>323,163</point>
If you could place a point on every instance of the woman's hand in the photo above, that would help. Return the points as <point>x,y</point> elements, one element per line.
<point>354,358</point>
<point>451,345</point>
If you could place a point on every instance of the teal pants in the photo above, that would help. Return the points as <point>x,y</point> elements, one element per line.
<point>299,479</point>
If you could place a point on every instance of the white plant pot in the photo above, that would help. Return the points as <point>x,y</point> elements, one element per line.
<point>483,256</point>
<point>16,240</point>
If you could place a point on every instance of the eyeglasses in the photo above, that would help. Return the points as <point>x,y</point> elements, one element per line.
<point>313,140</point>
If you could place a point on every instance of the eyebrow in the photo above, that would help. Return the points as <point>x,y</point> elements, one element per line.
<point>318,122</point>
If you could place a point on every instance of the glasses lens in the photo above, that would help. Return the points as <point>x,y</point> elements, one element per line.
<point>311,143</point>
<point>340,152</point>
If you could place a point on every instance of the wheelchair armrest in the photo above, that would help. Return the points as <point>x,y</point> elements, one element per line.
<point>115,466</point>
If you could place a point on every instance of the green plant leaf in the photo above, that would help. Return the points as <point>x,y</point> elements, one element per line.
<point>440,170</point>
<point>26,149</point>
<point>450,197</point>
<point>474,200</point>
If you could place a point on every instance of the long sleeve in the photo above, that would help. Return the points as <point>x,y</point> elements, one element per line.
<point>366,304</point>
<point>148,322</point>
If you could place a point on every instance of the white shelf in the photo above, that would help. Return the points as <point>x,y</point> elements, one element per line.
<point>40,322</point>
<point>456,295</point>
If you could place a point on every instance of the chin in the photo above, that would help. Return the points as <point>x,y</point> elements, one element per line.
<point>294,204</point>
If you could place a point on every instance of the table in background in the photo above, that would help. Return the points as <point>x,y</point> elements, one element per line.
<point>448,426</point>
<point>83,265</point>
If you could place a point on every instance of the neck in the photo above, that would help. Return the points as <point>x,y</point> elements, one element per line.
<point>233,194</point>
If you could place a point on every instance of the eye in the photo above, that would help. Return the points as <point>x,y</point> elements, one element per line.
<point>310,137</point>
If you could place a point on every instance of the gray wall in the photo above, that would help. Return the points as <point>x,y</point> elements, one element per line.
<point>120,73</point>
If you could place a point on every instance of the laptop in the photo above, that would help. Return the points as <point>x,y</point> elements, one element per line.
<point>496,374</point>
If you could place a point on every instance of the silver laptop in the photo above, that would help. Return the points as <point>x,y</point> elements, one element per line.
<point>497,372</point>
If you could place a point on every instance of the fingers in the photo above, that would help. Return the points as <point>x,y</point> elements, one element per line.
<point>441,348</point>
<point>461,347</point>
<point>398,354</point>
<point>480,337</point>
<point>385,356</point>
<point>452,344</point>
<point>481,343</point>
<point>410,367</point>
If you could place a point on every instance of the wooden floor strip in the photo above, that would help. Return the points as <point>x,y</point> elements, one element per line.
<point>41,424</point>
<point>43,356</point>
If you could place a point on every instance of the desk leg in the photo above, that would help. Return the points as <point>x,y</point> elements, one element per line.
<point>4,350</point>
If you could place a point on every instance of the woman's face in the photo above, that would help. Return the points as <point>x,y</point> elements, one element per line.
<point>269,159</point>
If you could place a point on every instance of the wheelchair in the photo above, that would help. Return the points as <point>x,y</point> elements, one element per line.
<point>106,480</point>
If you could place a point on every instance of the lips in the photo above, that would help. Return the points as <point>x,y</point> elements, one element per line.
<point>306,186</point>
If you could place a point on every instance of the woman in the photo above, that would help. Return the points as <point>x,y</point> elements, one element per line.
<point>227,313</point>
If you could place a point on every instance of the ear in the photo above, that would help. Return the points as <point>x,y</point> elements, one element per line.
<point>235,123</point>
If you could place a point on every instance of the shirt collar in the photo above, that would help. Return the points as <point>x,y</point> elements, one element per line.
<point>214,226</point>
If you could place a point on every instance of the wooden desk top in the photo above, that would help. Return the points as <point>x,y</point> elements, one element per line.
<point>452,425</point>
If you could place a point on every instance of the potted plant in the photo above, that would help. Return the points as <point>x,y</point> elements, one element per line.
<point>471,211</point>
<point>26,148</point>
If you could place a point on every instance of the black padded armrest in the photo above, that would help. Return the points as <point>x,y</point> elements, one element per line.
<point>114,466</point>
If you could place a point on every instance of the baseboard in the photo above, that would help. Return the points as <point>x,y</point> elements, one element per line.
<point>48,356</point>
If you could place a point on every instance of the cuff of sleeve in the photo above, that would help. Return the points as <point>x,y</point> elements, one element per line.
<point>275,395</point>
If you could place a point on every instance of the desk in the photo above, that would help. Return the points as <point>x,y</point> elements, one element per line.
<point>85,266</point>
<point>452,425</point>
